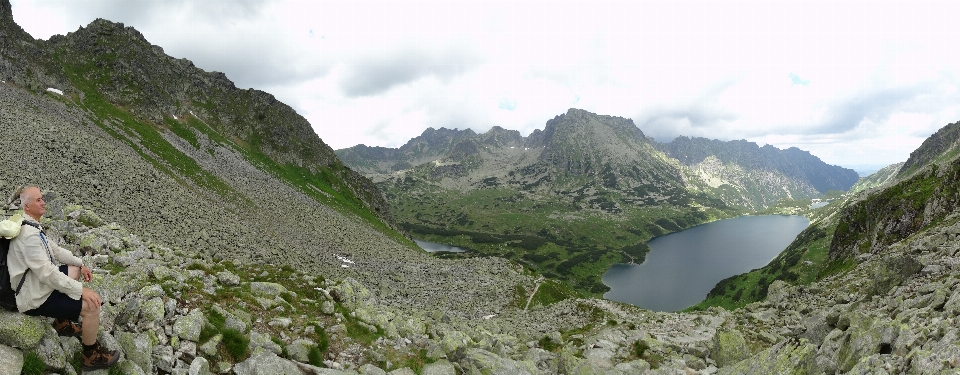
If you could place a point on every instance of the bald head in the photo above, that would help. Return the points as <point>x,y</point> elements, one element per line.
<point>32,202</point>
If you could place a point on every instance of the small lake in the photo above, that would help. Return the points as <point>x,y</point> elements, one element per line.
<point>819,204</point>
<point>682,267</point>
<point>433,247</point>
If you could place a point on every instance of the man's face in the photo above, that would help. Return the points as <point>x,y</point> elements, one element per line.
<point>35,206</point>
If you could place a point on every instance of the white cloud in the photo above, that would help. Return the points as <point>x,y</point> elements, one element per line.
<point>849,81</point>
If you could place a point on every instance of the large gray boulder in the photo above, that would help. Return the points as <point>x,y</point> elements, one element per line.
<point>797,358</point>
<point>11,361</point>
<point>188,327</point>
<point>52,352</point>
<point>441,367</point>
<point>729,347</point>
<point>479,361</point>
<point>138,348</point>
<point>266,363</point>
<point>21,331</point>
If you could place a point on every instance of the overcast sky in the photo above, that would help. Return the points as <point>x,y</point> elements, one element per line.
<point>856,83</point>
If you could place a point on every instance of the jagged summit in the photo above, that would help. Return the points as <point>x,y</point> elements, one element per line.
<point>793,162</point>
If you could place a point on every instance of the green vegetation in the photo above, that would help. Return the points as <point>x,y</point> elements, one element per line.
<point>231,117</point>
<point>553,236</point>
<point>236,344</point>
<point>33,364</point>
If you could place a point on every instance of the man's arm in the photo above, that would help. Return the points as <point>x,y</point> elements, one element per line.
<point>36,259</point>
<point>64,255</point>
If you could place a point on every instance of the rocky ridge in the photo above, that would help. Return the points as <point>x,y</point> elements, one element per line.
<point>618,156</point>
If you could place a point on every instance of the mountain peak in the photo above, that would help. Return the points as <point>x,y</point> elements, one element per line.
<point>6,11</point>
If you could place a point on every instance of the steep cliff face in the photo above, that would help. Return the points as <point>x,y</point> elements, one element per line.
<point>944,145</point>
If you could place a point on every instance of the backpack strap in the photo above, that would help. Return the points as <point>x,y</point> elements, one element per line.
<point>24,278</point>
<point>32,224</point>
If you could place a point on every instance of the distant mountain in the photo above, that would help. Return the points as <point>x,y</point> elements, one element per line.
<point>796,164</point>
<point>585,192</point>
<point>621,157</point>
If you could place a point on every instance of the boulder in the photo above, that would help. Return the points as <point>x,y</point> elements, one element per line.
<point>892,272</point>
<point>369,369</point>
<point>267,290</point>
<point>199,366</point>
<point>441,367</point>
<point>138,348</point>
<point>52,353</point>
<point>188,327</point>
<point>266,363</point>
<point>788,357</point>
<point>228,278</point>
<point>729,347</point>
<point>479,361</point>
<point>11,361</point>
<point>260,342</point>
<point>21,331</point>
<point>299,350</point>
<point>152,311</point>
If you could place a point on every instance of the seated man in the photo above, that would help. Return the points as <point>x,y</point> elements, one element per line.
<point>52,284</point>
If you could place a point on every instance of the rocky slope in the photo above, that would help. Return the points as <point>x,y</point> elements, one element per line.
<point>939,147</point>
<point>892,309</point>
<point>883,177</point>
<point>112,71</point>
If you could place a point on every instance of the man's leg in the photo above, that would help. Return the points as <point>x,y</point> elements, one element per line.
<point>95,357</point>
<point>91,323</point>
<point>66,327</point>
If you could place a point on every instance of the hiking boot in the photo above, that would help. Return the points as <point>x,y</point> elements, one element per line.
<point>99,358</point>
<point>67,328</point>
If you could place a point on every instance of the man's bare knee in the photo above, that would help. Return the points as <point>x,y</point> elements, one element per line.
<point>87,309</point>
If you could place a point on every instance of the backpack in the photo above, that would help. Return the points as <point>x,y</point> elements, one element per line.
<point>8,296</point>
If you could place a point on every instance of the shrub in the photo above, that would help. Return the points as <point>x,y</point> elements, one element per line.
<point>315,356</point>
<point>235,343</point>
<point>640,348</point>
<point>546,343</point>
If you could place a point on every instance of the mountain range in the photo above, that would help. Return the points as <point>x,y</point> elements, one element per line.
<point>585,192</point>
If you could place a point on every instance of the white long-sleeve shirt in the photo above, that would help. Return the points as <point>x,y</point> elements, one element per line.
<point>27,251</point>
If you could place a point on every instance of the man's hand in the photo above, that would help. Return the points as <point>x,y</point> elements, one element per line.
<point>86,274</point>
<point>90,297</point>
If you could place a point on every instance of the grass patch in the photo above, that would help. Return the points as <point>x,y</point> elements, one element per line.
<point>33,364</point>
<point>235,344</point>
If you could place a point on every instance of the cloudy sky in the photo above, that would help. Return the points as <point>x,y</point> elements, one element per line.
<point>857,83</point>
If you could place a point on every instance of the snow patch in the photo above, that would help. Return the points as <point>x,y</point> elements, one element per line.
<point>487,317</point>
<point>55,91</point>
<point>175,117</point>
<point>344,259</point>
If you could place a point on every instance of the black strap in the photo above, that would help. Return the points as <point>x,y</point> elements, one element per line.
<point>24,278</point>
<point>35,225</point>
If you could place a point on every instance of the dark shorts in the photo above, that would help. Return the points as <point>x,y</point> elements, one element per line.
<point>59,305</point>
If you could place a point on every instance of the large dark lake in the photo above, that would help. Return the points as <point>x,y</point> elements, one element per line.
<point>682,267</point>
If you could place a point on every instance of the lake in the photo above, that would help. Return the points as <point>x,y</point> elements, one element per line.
<point>682,267</point>
<point>433,247</point>
<point>819,204</point>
